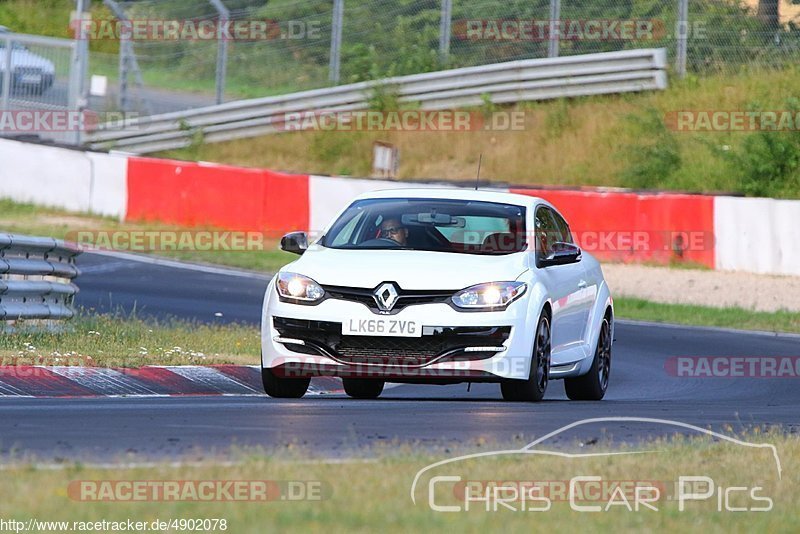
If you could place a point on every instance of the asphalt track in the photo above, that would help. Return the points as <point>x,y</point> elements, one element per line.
<point>425,416</point>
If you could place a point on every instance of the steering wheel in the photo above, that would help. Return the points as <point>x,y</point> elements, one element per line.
<point>379,242</point>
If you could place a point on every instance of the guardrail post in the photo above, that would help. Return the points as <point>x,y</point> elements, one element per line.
<point>444,30</point>
<point>682,31</point>
<point>6,80</point>
<point>336,40</point>
<point>554,36</point>
<point>222,49</point>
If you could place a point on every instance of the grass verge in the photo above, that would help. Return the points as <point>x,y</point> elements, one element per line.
<point>127,341</point>
<point>644,310</point>
<point>346,496</point>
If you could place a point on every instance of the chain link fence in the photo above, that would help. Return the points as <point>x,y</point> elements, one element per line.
<point>313,43</point>
<point>308,44</point>
<point>39,91</point>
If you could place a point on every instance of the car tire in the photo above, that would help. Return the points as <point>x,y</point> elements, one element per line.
<point>361,388</point>
<point>534,388</point>
<point>283,388</point>
<point>593,385</point>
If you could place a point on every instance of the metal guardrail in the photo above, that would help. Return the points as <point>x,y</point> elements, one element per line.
<point>36,276</point>
<point>515,81</point>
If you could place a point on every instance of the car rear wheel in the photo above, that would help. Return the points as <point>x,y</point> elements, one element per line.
<point>593,385</point>
<point>283,388</point>
<point>361,388</point>
<point>533,389</point>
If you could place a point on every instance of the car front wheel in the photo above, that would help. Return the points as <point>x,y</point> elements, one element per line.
<point>533,389</point>
<point>283,388</point>
<point>360,388</point>
<point>593,385</point>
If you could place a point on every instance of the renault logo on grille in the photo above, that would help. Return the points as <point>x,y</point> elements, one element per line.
<point>385,296</point>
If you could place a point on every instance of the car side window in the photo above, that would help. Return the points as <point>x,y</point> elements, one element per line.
<point>563,227</point>
<point>547,232</point>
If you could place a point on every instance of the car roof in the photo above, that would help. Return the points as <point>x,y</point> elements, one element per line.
<point>486,195</point>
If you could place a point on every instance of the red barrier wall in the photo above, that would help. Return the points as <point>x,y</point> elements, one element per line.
<point>658,228</point>
<point>234,198</point>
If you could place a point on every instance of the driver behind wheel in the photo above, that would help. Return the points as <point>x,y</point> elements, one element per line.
<point>394,230</point>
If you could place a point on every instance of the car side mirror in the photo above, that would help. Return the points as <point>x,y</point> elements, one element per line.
<point>295,242</point>
<point>562,254</point>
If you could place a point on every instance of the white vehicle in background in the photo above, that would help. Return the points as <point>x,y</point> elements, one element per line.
<point>31,74</point>
<point>439,286</point>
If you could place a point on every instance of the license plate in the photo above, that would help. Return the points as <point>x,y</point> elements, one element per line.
<point>381,326</point>
<point>31,78</point>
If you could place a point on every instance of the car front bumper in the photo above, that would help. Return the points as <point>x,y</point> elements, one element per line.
<point>455,346</point>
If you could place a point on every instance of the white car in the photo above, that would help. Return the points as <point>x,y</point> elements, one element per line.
<point>31,74</point>
<point>439,286</point>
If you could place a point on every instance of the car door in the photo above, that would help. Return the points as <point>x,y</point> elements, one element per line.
<point>564,282</point>
<point>588,285</point>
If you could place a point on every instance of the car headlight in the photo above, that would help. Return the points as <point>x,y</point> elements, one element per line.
<point>490,296</point>
<point>298,288</point>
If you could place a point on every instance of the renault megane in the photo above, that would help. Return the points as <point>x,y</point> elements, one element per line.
<point>439,286</point>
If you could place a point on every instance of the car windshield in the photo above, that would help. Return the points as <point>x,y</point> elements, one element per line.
<point>440,225</point>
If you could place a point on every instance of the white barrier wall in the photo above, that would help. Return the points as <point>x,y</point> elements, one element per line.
<point>45,175</point>
<point>58,177</point>
<point>759,235</point>
<point>109,187</point>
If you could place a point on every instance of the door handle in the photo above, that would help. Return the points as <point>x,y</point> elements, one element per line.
<point>582,284</point>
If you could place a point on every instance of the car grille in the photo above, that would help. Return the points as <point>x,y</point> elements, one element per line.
<point>405,297</point>
<point>19,72</point>
<point>325,338</point>
<point>390,350</point>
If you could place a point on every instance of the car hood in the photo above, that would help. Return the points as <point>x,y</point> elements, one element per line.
<point>410,269</point>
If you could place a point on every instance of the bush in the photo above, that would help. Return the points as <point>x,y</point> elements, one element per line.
<point>768,162</point>
<point>655,156</point>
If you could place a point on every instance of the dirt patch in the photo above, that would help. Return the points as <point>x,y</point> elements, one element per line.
<point>717,289</point>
